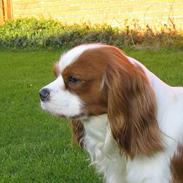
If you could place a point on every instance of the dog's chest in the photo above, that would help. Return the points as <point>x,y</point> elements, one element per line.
<point>95,135</point>
<point>103,151</point>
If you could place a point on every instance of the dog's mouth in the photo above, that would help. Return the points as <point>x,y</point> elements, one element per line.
<point>80,116</point>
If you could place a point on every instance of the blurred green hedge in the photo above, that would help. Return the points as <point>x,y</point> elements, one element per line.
<point>33,33</point>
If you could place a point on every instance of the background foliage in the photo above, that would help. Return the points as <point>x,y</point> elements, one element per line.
<point>35,33</point>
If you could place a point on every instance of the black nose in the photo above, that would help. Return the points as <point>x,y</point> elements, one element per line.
<point>44,94</point>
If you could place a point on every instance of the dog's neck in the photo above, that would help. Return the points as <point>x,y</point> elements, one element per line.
<point>96,129</point>
<point>102,148</point>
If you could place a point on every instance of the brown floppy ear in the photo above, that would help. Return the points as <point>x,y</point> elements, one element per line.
<point>131,107</point>
<point>77,130</point>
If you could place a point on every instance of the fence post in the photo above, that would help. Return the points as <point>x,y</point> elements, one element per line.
<point>2,10</point>
<point>5,10</point>
<point>8,10</point>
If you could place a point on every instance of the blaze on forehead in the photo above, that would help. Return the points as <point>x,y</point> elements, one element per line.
<point>97,59</point>
<point>90,62</point>
<point>72,55</point>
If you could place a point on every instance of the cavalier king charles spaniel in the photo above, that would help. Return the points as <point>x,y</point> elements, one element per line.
<point>127,119</point>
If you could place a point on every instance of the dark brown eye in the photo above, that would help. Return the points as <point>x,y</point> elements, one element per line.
<point>73,79</point>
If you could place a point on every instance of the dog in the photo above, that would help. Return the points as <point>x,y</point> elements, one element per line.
<point>127,119</point>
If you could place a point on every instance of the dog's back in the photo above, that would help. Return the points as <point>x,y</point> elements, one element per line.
<point>177,166</point>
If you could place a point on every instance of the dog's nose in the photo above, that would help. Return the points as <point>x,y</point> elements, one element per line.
<point>44,94</point>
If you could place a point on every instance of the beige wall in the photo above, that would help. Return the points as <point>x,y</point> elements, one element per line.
<point>102,11</point>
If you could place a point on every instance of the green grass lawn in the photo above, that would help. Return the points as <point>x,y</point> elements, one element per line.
<point>35,146</point>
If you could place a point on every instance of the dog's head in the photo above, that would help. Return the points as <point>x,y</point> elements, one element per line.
<point>97,79</point>
<point>78,90</point>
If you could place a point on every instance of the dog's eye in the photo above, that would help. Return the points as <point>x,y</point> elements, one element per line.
<point>73,79</point>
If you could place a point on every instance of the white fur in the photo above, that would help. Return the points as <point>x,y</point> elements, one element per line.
<point>101,146</point>
<point>103,150</point>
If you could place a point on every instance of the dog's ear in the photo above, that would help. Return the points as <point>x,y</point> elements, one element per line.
<point>77,130</point>
<point>131,107</point>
